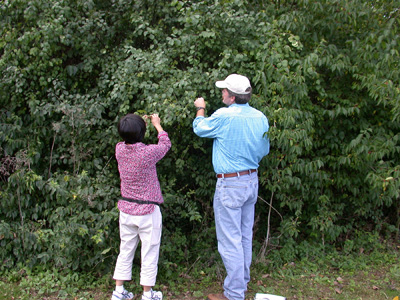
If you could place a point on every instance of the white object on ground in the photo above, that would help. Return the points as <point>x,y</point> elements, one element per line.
<point>268,297</point>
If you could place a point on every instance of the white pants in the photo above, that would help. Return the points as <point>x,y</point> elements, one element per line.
<point>147,228</point>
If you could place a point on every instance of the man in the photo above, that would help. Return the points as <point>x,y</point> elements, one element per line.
<point>240,142</point>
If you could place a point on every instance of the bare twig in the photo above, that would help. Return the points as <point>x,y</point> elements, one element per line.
<point>51,154</point>
<point>265,245</point>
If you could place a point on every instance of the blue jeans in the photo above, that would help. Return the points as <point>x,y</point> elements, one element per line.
<point>234,205</point>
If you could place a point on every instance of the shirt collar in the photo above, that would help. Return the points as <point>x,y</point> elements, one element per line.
<point>240,105</point>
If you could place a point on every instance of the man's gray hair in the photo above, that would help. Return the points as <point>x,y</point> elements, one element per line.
<point>241,98</point>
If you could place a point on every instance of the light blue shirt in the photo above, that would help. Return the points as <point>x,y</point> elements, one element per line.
<point>240,137</point>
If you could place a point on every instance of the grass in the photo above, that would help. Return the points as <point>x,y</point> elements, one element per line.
<point>373,276</point>
<point>364,278</point>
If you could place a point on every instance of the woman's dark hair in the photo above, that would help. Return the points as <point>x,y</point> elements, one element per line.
<point>132,128</point>
<point>241,98</point>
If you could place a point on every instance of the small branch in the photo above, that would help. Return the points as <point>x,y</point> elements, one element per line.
<point>265,246</point>
<point>111,157</point>
<point>187,272</point>
<point>51,154</point>
<point>269,222</point>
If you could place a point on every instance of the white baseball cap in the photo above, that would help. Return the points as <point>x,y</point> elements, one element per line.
<point>235,83</point>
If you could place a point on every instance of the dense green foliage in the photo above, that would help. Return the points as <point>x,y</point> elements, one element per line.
<point>326,73</point>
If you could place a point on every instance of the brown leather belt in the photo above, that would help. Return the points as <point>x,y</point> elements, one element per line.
<point>248,172</point>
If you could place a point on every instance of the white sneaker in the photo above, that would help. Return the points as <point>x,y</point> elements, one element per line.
<point>154,296</point>
<point>124,295</point>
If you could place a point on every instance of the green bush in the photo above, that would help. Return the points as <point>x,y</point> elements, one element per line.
<point>326,73</point>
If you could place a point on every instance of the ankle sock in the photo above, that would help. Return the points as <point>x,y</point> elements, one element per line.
<point>119,288</point>
<point>147,294</point>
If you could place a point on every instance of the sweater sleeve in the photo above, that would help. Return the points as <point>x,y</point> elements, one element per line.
<point>156,152</point>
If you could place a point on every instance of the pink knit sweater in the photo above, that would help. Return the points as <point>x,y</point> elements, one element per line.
<point>138,174</point>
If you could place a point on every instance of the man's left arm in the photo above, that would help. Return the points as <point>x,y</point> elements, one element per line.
<point>265,137</point>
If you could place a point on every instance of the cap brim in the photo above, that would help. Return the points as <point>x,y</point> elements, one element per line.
<point>221,84</point>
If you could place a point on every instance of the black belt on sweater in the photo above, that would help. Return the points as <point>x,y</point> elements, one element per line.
<point>140,201</point>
